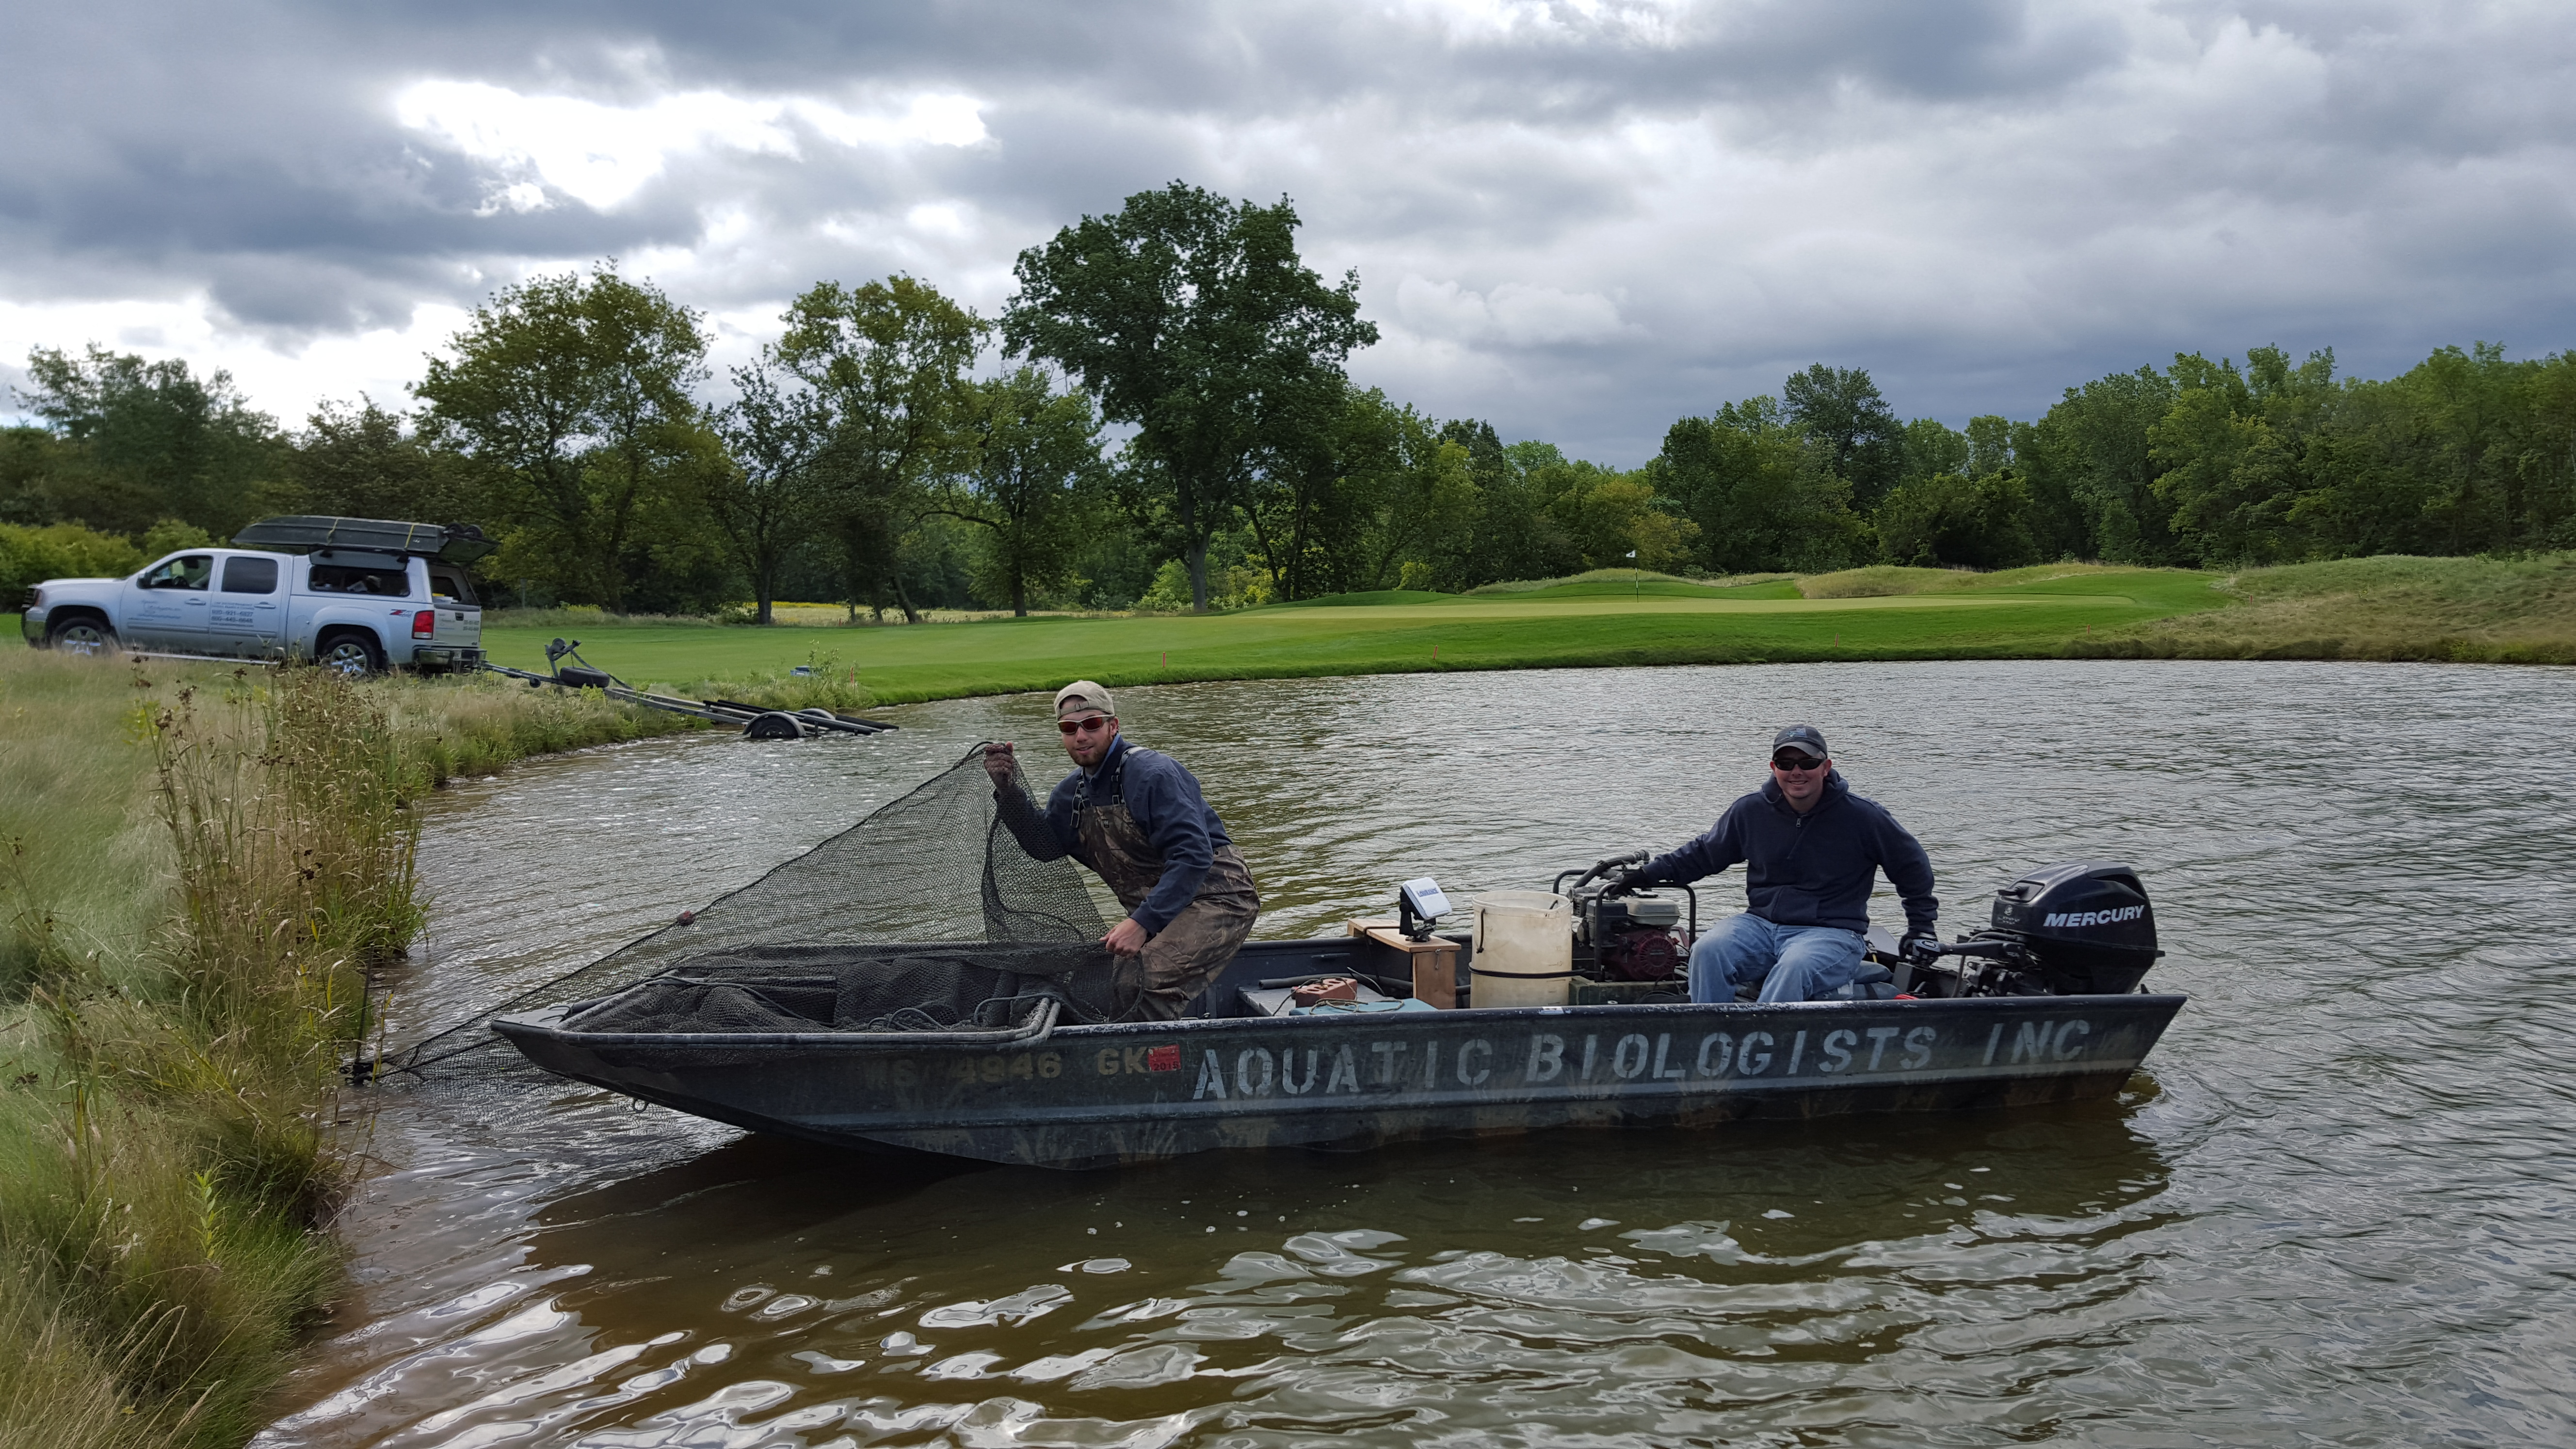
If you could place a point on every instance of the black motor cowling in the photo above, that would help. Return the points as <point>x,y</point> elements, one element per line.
<point>2085,928</point>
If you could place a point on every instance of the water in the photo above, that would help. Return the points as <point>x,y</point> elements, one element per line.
<point>2337,1208</point>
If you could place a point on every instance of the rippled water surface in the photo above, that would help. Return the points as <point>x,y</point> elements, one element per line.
<point>2340,1206</point>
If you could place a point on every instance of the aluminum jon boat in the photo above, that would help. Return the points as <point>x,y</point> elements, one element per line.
<point>1075,1096</point>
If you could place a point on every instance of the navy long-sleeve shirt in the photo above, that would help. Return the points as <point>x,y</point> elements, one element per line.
<point>1164,798</point>
<point>1813,869</point>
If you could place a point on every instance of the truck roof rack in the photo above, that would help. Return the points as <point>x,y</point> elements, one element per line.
<point>456,543</point>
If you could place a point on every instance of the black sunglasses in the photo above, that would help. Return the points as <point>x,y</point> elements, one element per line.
<point>1795,762</point>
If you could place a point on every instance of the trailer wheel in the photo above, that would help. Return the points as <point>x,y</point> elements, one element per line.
<point>81,635</point>
<point>351,654</point>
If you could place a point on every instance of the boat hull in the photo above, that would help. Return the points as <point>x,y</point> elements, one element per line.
<point>1087,1096</point>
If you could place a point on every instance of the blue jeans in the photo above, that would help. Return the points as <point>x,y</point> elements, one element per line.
<point>1793,963</point>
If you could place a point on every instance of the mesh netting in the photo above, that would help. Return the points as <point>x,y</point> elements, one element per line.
<point>924,917</point>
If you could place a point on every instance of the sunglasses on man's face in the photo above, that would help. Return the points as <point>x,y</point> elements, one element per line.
<point>1082,726</point>
<point>1795,762</point>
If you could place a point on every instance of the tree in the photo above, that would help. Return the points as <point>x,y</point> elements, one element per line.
<point>1191,318</point>
<point>159,441</point>
<point>1760,490</point>
<point>1990,448</point>
<point>2092,452</point>
<point>2463,452</point>
<point>889,360</point>
<point>1615,518</point>
<point>766,502</point>
<point>359,461</point>
<point>1930,448</point>
<point>1414,492</point>
<point>1514,535</point>
<point>1032,485</point>
<point>1842,410</point>
<point>1373,489</point>
<point>1949,520</point>
<point>574,393</point>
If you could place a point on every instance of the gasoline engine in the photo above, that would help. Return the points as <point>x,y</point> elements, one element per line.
<point>1636,936</point>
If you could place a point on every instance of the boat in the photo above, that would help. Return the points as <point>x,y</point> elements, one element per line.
<point>2012,1027</point>
<point>789,1006</point>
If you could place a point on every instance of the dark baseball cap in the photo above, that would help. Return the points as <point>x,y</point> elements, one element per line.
<point>1806,739</point>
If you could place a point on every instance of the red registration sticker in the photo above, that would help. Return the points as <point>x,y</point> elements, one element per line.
<point>1163,1058</point>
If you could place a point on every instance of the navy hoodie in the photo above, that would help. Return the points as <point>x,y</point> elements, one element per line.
<point>1813,869</point>
<point>1162,794</point>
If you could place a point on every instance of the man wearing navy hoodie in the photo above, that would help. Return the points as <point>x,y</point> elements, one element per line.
<point>1136,817</point>
<point>1809,848</point>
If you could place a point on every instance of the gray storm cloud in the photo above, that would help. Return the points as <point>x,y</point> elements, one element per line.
<point>1577,220</point>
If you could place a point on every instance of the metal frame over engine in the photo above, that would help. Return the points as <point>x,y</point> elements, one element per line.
<point>1635,937</point>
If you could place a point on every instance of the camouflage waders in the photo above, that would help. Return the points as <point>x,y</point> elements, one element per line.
<point>1182,958</point>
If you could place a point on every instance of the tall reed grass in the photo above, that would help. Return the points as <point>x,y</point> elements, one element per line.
<point>2484,610</point>
<point>198,865</point>
<point>164,1176</point>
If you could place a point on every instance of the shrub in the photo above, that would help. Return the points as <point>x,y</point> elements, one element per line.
<point>29,556</point>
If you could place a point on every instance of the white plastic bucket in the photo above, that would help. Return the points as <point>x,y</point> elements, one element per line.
<point>1524,954</point>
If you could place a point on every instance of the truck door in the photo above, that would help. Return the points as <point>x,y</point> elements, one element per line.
<point>247,616</point>
<point>170,607</point>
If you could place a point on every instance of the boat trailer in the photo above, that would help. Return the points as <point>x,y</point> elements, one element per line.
<point>758,722</point>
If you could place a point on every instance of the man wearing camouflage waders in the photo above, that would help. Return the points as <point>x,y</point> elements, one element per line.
<point>1135,816</point>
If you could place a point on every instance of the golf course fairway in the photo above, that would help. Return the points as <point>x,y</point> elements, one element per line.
<point>2026,612</point>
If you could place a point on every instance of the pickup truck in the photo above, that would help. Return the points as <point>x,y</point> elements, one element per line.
<point>356,595</point>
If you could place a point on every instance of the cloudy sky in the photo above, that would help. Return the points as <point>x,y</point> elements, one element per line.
<point>1578,220</point>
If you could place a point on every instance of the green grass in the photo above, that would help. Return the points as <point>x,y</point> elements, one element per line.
<point>2464,610</point>
<point>2387,608</point>
<point>166,1049</point>
<point>167,1053</point>
<point>1601,620</point>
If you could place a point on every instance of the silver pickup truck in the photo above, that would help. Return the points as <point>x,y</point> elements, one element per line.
<point>353,594</point>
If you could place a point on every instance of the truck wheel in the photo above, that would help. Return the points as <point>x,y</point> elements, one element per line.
<point>354,655</point>
<point>82,636</point>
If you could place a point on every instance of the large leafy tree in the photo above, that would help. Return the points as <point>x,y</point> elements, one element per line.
<point>1842,410</point>
<point>1033,487</point>
<point>889,361</point>
<point>361,461</point>
<point>152,440</point>
<point>1515,535</point>
<point>2092,452</point>
<point>1760,490</point>
<point>1376,497</point>
<point>767,501</point>
<point>575,393</point>
<point>1191,318</point>
<point>1949,520</point>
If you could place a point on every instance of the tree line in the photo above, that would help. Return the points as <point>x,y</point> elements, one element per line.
<point>865,459</point>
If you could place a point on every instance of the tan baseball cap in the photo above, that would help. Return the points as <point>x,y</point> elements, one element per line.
<point>1083,697</point>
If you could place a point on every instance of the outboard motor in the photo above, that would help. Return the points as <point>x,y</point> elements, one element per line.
<point>2080,929</point>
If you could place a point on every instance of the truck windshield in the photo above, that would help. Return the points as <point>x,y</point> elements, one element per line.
<point>380,583</point>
